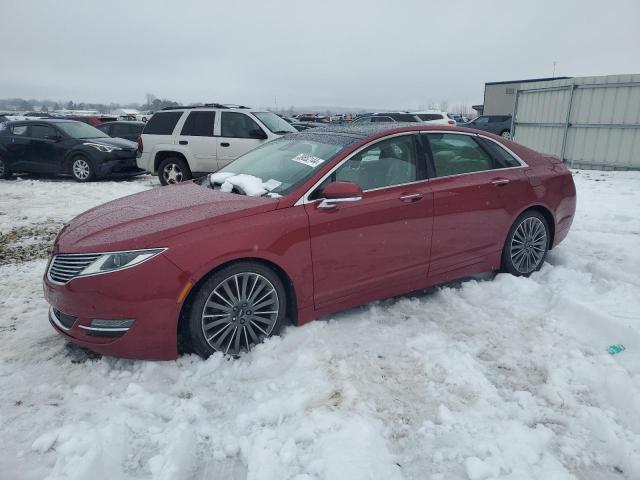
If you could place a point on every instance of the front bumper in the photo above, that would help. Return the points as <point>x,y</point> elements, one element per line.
<point>140,301</point>
<point>118,166</point>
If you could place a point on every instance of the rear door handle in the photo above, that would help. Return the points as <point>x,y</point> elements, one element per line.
<point>411,197</point>
<point>225,144</point>
<point>183,142</point>
<point>499,182</point>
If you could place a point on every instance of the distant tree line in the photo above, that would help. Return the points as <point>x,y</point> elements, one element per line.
<point>20,104</point>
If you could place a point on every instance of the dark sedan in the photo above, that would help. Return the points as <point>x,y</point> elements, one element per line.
<point>64,147</point>
<point>498,124</point>
<point>123,129</point>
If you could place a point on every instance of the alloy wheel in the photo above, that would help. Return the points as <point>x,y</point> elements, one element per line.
<point>81,169</point>
<point>240,312</point>
<point>506,134</point>
<point>528,245</point>
<point>172,173</point>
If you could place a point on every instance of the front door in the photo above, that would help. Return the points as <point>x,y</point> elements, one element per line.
<point>45,154</point>
<point>377,246</point>
<point>197,134</point>
<point>239,134</point>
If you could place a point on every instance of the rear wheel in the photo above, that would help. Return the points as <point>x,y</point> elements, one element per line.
<point>235,309</point>
<point>173,170</point>
<point>5,171</point>
<point>82,169</point>
<point>527,244</point>
<point>505,134</point>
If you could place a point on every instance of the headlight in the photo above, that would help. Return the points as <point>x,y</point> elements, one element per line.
<point>111,262</point>
<point>102,147</point>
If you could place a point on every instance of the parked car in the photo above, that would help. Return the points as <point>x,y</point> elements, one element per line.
<point>3,119</point>
<point>179,143</point>
<point>498,124</point>
<point>302,227</point>
<point>34,115</point>
<point>386,117</point>
<point>300,126</point>
<point>435,116</point>
<point>93,120</point>
<point>123,129</point>
<point>64,147</point>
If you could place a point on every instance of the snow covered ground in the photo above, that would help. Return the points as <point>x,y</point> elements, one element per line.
<point>496,377</point>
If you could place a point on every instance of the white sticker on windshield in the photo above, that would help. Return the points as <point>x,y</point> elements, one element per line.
<point>308,160</point>
<point>271,184</point>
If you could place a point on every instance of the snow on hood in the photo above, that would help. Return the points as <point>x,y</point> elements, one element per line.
<point>251,185</point>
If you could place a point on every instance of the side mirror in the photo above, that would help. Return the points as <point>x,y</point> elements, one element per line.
<point>258,134</point>
<point>340,192</point>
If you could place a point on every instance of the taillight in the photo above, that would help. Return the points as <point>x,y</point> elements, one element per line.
<point>140,144</point>
<point>451,122</point>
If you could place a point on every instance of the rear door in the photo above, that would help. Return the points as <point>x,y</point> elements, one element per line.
<point>473,199</point>
<point>18,147</point>
<point>197,132</point>
<point>239,134</point>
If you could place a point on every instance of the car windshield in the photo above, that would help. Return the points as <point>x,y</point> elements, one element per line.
<point>80,130</point>
<point>280,166</point>
<point>274,122</point>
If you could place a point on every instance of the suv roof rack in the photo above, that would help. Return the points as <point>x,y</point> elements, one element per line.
<point>209,105</point>
<point>181,107</point>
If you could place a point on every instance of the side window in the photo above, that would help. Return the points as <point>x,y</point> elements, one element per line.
<point>199,124</point>
<point>363,120</point>
<point>119,130</point>
<point>42,131</point>
<point>502,158</point>
<point>238,125</point>
<point>481,120</point>
<point>162,123</point>
<point>382,119</point>
<point>454,154</point>
<point>20,130</point>
<point>426,117</point>
<point>387,163</point>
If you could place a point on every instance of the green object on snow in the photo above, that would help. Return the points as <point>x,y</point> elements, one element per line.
<point>617,348</point>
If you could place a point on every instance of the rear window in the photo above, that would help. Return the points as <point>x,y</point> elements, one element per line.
<point>199,124</point>
<point>426,117</point>
<point>162,123</point>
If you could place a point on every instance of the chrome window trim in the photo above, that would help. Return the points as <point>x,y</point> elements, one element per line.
<point>304,199</point>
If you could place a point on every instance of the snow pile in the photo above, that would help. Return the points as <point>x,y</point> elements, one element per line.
<point>251,185</point>
<point>492,378</point>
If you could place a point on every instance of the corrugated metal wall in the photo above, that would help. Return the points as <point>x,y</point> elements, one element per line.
<point>589,122</point>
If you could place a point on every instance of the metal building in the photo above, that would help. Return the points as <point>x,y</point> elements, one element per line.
<point>588,122</point>
<point>499,97</point>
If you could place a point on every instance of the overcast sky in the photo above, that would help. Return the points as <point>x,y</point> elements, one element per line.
<point>376,53</point>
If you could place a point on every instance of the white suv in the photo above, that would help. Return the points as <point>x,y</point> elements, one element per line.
<point>435,116</point>
<point>178,143</point>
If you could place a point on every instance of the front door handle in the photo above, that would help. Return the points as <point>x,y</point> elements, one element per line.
<point>500,182</point>
<point>225,144</point>
<point>411,197</point>
<point>183,142</point>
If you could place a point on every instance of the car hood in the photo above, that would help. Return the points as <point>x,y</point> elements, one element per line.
<point>113,142</point>
<point>147,219</point>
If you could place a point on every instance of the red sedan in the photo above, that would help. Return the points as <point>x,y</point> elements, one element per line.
<point>304,226</point>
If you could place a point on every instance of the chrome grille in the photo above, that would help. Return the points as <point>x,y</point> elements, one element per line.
<point>65,267</point>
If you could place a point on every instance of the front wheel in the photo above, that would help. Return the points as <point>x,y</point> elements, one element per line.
<point>527,244</point>
<point>173,170</point>
<point>506,134</point>
<point>82,169</point>
<point>235,309</point>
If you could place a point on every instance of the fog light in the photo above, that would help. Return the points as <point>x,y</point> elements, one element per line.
<point>107,328</point>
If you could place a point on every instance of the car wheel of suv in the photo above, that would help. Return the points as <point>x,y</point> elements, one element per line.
<point>82,169</point>
<point>173,170</point>
<point>5,171</point>
<point>235,309</point>
<point>506,134</point>
<point>527,244</point>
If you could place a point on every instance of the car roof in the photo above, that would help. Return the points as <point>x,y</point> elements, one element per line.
<point>44,120</point>
<point>214,106</point>
<point>363,131</point>
<point>128,122</point>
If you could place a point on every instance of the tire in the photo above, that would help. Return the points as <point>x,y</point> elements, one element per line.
<point>5,171</point>
<point>221,315</point>
<point>173,170</point>
<point>82,169</point>
<point>506,134</point>
<point>526,245</point>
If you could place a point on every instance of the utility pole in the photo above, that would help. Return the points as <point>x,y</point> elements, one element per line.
<point>554,69</point>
